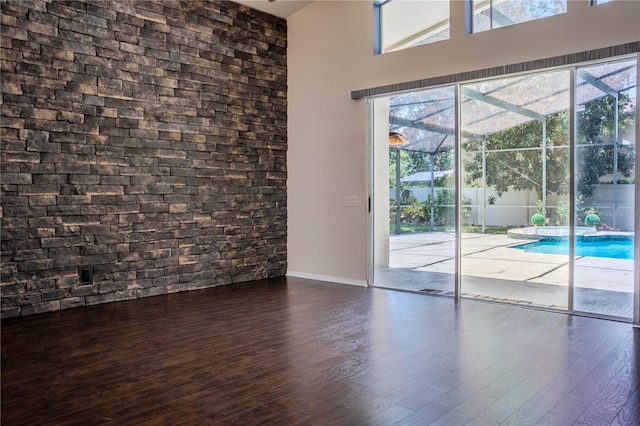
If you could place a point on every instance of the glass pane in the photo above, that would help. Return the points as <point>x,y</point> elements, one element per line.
<point>490,14</point>
<point>409,23</point>
<point>515,185</point>
<point>415,173</point>
<point>605,188</point>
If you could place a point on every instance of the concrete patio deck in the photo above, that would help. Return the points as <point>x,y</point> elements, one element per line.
<point>493,270</point>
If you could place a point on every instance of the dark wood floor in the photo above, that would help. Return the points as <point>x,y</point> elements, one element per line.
<point>293,351</point>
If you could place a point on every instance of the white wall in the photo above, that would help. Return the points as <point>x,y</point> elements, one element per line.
<point>330,53</point>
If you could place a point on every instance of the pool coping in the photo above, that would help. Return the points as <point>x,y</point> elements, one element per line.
<point>583,233</point>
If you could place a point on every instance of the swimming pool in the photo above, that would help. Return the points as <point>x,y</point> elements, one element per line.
<point>613,248</point>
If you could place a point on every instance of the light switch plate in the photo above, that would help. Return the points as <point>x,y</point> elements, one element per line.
<point>351,201</point>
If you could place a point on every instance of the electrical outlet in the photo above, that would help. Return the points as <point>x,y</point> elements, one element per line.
<point>86,274</point>
<point>314,253</point>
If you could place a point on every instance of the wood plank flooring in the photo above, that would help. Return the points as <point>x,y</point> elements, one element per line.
<point>298,352</point>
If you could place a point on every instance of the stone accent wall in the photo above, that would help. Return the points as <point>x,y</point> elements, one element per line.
<point>143,146</point>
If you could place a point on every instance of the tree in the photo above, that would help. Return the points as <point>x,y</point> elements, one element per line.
<point>416,161</point>
<point>596,125</point>
<point>410,162</point>
<point>522,170</point>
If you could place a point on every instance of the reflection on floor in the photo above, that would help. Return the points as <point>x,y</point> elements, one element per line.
<point>493,270</point>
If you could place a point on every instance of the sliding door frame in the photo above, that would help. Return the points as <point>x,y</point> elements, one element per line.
<point>636,268</point>
<point>458,191</point>
<point>370,94</point>
<point>572,186</point>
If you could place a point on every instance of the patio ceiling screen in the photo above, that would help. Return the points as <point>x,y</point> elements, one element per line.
<point>427,121</point>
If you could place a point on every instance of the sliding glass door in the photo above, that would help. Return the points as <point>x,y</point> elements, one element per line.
<point>414,191</point>
<point>605,188</point>
<point>541,169</point>
<point>515,193</point>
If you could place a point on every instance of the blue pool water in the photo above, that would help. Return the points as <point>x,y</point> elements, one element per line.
<point>617,249</point>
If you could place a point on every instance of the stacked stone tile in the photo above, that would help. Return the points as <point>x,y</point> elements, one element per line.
<point>144,141</point>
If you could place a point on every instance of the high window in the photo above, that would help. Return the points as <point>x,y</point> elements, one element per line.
<point>400,24</point>
<point>407,23</point>
<point>491,14</point>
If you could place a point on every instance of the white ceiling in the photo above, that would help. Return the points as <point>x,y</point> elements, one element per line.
<point>280,8</point>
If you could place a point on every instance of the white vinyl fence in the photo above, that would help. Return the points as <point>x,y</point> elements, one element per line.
<point>515,208</point>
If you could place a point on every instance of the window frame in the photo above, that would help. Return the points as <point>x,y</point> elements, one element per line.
<point>470,16</point>
<point>378,29</point>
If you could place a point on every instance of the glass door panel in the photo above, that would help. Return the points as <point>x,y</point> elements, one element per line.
<point>515,185</point>
<point>605,188</point>
<point>414,191</point>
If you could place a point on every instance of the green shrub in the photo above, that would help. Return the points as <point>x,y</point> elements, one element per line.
<point>538,219</point>
<point>419,214</point>
<point>592,219</point>
<point>444,212</point>
<point>563,213</point>
<point>412,214</point>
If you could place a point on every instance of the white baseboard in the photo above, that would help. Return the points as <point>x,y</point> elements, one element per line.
<point>327,278</point>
